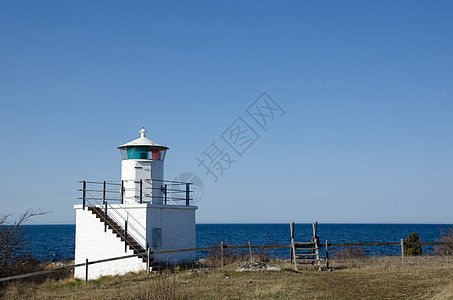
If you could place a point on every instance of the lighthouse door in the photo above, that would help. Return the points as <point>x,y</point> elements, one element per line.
<point>143,172</point>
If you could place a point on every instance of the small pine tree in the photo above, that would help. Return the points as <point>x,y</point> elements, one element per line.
<point>413,249</point>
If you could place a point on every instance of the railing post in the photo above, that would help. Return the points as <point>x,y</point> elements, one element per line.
<point>84,194</point>
<point>86,271</point>
<point>165,191</point>
<point>105,217</point>
<point>122,192</point>
<point>187,194</point>
<point>125,236</point>
<point>141,190</point>
<point>103,193</point>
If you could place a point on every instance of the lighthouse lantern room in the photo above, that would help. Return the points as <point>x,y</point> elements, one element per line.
<point>141,211</point>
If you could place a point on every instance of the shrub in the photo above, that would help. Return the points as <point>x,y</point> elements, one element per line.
<point>446,237</point>
<point>412,249</point>
<point>27,264</point>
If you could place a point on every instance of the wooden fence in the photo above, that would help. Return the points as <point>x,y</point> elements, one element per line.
<point>223,246</point>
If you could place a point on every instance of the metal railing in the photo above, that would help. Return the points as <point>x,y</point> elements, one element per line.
<point>173,192</point>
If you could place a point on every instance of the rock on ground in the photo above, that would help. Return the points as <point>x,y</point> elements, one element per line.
<point>257,267</point>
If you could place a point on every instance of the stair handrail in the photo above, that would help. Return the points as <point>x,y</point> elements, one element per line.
<point>124,219</point>
<point>115,209</point>
<point>115,220</point>
<point>90,188</point>
<point>119,233</point>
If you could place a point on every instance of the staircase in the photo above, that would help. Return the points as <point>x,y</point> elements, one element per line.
<point>121,233</point>
<point>305,254</point>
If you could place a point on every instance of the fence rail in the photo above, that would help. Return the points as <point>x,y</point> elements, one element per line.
<point>221,246</point>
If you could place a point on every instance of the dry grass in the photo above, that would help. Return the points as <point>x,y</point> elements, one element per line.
<point>445,293</point>
<point>425,277</point>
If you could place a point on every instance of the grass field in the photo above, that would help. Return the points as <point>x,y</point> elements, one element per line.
<point>370,278</point>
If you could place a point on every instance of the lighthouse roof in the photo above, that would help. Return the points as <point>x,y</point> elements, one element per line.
<point>143,141</point>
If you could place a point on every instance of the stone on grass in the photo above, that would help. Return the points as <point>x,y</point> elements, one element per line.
<point>257,267</point>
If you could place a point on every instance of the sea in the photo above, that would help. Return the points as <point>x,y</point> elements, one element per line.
<point>57,242</point>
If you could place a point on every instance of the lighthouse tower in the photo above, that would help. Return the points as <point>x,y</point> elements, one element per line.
<point>143,166</point>
<point>139,212</point>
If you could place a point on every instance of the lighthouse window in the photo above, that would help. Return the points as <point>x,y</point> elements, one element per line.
<point>156,155</point>
<point>136,153</point>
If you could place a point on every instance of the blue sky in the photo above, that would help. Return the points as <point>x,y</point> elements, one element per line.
<point>366,88</point>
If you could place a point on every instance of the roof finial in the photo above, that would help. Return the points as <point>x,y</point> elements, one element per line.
<point>143,132</point>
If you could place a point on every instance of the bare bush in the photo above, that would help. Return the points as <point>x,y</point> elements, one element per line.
<point>13,259</point>
<point>262,255</point>
<point>230,255</point>
<point>12,239</point>
<point>446,237</point>
<point>349,252</point>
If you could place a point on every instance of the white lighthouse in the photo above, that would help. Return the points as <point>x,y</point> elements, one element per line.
<point>141,211</point>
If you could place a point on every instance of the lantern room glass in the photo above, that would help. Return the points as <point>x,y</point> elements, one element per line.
<point>142,153</point>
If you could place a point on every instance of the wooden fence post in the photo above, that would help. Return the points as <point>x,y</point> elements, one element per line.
<point>251,255</point>
<point>291,226</point>
<point>147,259</point>
<point>86,271</point>
<point>221,254</point>
<point>402,251</point>
<point>327,254</point>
